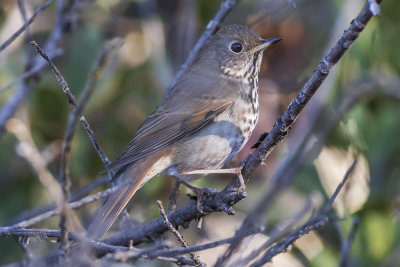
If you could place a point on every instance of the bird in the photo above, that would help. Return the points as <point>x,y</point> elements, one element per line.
<point>202,122</point>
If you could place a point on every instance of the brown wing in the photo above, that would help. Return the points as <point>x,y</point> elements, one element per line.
<point>188,107</point>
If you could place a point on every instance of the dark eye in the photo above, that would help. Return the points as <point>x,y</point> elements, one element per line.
<point>236,47</point>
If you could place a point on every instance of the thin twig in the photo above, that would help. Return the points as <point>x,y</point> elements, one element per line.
<point>63,17</point>
<point>46,234</point>
<point>339,187</point>
<point>212,26</point>
<point>73,102</point>
<point>26,24</point>
<point>32,155</point>
<point>64,171</point>
<point>176,232</point>
<point>277,233</point>
<point>21,6</point>
<point>152,253</point>
<point>72,121</point>
<point>282,246</point>
<point>72,205</point>
<point>315,222</point>
<point>80,193</point>
<point>346,245</point>
<point>32,71</point>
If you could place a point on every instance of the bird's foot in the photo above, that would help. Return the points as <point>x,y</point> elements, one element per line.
<point>200,193</point>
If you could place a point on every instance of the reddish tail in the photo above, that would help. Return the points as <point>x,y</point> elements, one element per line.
<point>133,178</point>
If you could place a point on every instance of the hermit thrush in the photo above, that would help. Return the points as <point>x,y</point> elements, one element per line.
<point>200,125</point>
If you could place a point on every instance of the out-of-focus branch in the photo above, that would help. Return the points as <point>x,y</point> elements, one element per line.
<point>62,18</point>
<point>212,26</point>
<point>32,71</point>
<point>31,153</point>
<point>72,205</point>
<point>47,234</point>
<point>26,24</point>
<point>91,83</point>
<point>76,196</point>
<point>315,222</point>
<point>72,121</point>
<point>346,245</point>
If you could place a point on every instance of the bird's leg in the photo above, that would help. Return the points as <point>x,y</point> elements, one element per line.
<point>237,171</point>
<point>197,190</point>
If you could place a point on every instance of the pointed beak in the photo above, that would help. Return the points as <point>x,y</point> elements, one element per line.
<point>266,43</point>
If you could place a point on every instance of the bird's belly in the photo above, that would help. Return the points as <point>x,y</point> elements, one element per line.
<point>214,145</point>
<point>210,148</point>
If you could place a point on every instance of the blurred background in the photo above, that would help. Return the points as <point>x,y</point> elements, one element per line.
<point>354,115</point>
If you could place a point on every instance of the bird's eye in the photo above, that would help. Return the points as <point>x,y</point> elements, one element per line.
<point>236,47</point>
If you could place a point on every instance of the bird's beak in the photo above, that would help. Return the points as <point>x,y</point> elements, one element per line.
<point>266,43</point>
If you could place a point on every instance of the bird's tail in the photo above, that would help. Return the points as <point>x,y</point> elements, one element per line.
<point>133,178</point>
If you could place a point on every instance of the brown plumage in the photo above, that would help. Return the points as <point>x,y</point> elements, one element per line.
<point>202,123</point>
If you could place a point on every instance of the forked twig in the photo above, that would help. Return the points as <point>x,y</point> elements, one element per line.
<point>176,232</point>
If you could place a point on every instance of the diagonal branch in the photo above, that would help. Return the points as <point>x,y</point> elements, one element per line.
<point>315,222</point>
<point>72,122</point>
<point>63,17</point>
<point>26,24</point>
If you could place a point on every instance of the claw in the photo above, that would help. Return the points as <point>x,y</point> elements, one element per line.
<point>199,193</point>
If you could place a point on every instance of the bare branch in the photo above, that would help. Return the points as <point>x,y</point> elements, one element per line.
<point>32,71</point>
<point>346,245</point>
<point>15,100</point>
<point>32,155</point>
<point>26,24</point>
<point>56,211</point>
<point>72,121</point>
<point>82,192</point>
<point>315,222</point>
<point>282,246</point>
<point>175,232</point>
